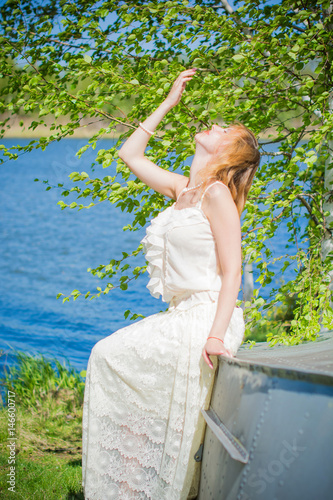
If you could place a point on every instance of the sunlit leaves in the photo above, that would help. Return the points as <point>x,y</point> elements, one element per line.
<point>268,66</point>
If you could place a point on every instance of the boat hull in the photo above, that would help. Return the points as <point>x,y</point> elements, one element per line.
<point>275,438</point>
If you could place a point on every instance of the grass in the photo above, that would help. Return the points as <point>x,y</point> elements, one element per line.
<point>48,400</point>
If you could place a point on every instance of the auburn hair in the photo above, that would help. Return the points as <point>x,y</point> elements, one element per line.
<point>235,164</point>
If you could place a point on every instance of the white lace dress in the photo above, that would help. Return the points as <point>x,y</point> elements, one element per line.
<point>147,382</point>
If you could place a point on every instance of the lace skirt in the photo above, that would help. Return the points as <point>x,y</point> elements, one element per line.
<point>145,386</point>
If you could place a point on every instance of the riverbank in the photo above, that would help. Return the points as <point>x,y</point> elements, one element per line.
<point>40,432</point>
<point>18,127</point>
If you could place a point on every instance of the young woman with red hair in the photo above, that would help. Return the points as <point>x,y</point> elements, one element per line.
<point>146,383</point>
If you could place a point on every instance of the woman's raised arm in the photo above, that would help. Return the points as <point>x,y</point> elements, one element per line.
<point>132,151</point>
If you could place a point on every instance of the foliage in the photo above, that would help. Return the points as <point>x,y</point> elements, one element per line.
<point>276,322</point>
<point>36,379</point>
<point>267,65</point>
<point>48,428</point>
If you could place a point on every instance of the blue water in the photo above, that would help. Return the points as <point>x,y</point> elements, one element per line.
<point>46,250</point>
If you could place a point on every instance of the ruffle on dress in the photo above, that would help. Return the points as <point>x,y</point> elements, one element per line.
<point>154,247</point>
<point>154,244</point>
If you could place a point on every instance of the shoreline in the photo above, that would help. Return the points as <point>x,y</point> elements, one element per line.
<point>19,129</point>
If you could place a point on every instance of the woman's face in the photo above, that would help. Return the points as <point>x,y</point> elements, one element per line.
<point>211,139</point>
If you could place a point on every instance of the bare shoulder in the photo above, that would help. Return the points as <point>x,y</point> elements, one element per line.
<point>218,201</point>
<point>218,190</point>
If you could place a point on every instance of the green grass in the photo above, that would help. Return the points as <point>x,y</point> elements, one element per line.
<point>48,398</point>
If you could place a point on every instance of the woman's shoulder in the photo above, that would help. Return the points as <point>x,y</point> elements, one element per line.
<point>218,201</point>
<point>216,189</point>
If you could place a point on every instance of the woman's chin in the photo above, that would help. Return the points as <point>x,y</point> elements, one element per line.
<point>197,138</point>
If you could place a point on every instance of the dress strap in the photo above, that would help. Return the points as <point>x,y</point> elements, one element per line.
<point>205,191</point>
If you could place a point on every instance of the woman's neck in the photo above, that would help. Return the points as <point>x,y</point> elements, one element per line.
<point>200,161</point>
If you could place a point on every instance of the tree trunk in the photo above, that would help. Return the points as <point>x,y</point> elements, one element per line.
<point>248,280</point>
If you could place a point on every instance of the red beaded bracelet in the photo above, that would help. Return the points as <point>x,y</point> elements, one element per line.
<point>215,338</point>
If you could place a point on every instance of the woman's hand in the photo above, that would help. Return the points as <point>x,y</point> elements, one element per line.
<point>214,347</point>
<point>178,87</point>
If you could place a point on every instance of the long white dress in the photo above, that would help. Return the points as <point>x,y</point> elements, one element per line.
<point>147,382</point>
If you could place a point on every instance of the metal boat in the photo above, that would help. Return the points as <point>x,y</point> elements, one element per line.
<point>269,433</point>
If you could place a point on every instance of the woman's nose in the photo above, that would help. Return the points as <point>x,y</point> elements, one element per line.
<point>216,128</point>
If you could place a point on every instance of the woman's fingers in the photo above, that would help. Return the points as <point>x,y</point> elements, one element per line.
<point>207,352</point>
<point>187,78</point>
<point>183,81</point>
<point>226,353</point>
<point>188,71</point>
<point>186,75</point>
<point>214,348</point>
<point>207,358</point>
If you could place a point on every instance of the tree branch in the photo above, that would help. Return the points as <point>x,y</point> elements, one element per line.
<point>312,215</point>
<point>227,6</point>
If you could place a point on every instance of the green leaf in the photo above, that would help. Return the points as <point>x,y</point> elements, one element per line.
<point>238,57</point>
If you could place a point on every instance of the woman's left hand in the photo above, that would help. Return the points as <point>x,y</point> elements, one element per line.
<point>214,347</point>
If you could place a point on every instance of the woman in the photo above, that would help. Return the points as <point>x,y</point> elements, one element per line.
<point>146,383</point>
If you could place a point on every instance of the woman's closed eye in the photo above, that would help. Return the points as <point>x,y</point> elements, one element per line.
<point>222,130</point>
